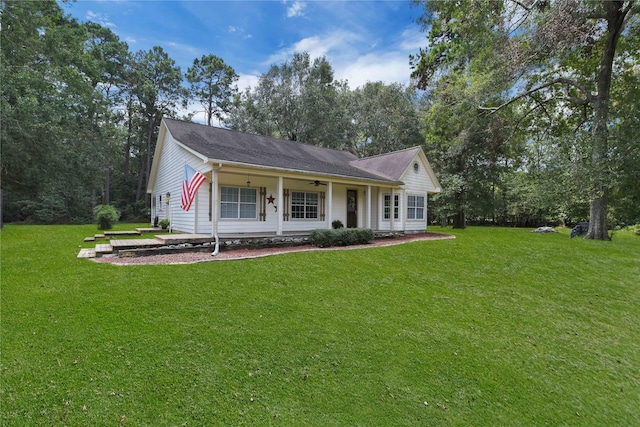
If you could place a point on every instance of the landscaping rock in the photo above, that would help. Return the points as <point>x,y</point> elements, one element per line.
<point>544,230</point>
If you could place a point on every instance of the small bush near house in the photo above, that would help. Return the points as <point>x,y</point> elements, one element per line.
<point>106,216</point>
<point>337,224</point>
<point>164,223</point>
<point>341,237</point>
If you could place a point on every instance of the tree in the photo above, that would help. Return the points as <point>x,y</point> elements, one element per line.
<point>297,100</point>
<point>556,54</point>
<point>54,138</point>
<point>212,84</point>
<point>157,85</point>
<point>384,118</point>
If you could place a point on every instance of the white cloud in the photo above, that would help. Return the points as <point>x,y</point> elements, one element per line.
<point>99,18</point>
<point>388,67</point>
<point>355,58</point>
<point>247,80</point>
<point>335,43</point>
<point>296,9</point>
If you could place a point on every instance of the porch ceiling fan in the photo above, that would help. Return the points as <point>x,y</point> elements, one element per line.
<point>317,183</point>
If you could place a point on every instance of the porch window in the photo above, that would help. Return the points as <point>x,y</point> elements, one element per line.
<point>238,203</point>
<point>415,207</point>
<point>387,206</point>
<point>304,205</point>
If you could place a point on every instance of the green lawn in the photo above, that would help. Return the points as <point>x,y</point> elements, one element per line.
<point>498,327</point>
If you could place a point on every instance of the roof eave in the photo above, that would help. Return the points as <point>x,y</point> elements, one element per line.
<point>382,180</point>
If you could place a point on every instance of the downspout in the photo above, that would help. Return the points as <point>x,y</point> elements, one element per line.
<point>217,247</point>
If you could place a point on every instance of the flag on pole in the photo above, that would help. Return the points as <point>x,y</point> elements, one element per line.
<point>190,185</point>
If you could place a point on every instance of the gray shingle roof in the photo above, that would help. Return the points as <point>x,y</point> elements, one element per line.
<point>391,165</point>
<point>225,145</point>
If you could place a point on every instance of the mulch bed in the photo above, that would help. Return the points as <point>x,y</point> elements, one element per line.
<point>240,254</point>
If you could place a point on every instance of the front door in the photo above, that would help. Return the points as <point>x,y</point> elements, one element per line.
<point>352,208</point>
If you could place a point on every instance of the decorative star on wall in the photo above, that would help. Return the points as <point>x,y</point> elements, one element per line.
<point>270,199</point>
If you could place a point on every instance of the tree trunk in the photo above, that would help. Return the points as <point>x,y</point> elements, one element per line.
<point>615,14</point>
<point>460,219</point>
<point>598,219</point>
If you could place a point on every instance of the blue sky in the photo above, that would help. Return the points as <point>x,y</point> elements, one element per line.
<point>363,40</point>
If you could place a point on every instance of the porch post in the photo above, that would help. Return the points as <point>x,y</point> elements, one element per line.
<point>281,201</point>
<point>329,212</point>
<point>368,206</point>
<point>403,209</point>
<point>393,211</point>
<point>214,202</point>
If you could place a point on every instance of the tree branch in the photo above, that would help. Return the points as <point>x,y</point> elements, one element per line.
<point>563,80</point>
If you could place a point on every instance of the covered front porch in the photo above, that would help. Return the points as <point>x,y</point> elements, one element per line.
<point>239,202</point>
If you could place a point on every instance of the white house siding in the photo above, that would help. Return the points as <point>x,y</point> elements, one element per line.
<point>305,225</point>
<point>416,184</point>
<point>201,207</point>
<point>169,180</point>
<point>239,226</point>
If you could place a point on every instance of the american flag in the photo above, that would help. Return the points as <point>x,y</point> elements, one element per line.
<point>190,185</point>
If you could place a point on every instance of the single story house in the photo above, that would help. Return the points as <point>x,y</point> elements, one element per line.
<point>258,185</point>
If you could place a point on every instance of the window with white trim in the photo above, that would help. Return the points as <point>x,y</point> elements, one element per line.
<point>415,207</point>
<point>238,203</point>
<point>304,205</point>
<point>387,206</point>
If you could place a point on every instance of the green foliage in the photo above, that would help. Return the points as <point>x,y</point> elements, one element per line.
<point>164,223</point>
<point>212,83</point>
<point>560,77</point>
<point>496,327</point>
<point>336,224</point>
<point>106,216</point>
<point>324,238</point>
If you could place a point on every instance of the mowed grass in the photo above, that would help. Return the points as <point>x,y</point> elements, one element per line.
<point>497,327</point>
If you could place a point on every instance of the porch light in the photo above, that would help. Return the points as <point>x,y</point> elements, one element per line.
<point>168,197</point>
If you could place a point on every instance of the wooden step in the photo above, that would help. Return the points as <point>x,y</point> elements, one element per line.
<point>119,245</point>
<point>122,233</point>
<point>87,253</point>
<point>149,230</point>
<point>103,248</point>
<point>177,239</point>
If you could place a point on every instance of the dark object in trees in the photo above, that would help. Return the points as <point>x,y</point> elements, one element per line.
<point>580,229</point>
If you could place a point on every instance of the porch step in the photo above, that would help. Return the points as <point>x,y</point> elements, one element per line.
<point>119,245</point>
<point>87,253</point>
<point>177,239</point>
<point>144,230</point>
<point>103,248</point>
<point>121,233</point>
<point>95,237</point>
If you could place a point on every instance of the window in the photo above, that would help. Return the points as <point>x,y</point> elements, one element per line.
<point>238,203</point>
<point>415,207</point>
<point>387,206</point>
<point>304,205</point>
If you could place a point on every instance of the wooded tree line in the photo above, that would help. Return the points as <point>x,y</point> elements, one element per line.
<point>506,104</point>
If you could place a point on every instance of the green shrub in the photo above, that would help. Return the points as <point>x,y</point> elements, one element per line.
<point>337,224</point>
<point>106,216</point>
<point>164,223</point>
<point>635,229</point>
<point>341,237</point>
